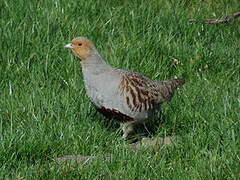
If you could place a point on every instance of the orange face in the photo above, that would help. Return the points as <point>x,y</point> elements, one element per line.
<point>81,47</point>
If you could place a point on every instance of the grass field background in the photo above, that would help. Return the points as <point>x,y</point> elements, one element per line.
<point>44,111</point>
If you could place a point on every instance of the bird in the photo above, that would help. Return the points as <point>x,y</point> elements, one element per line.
<point>127,96</point>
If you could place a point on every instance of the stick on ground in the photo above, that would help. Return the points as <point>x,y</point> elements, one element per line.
<point>225,19</point>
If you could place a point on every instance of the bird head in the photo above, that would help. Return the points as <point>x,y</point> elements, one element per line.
<point>81,48</point>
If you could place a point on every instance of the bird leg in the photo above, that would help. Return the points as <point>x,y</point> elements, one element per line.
<point>127,128</point>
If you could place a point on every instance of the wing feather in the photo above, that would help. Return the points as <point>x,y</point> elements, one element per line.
<point>139,92</point>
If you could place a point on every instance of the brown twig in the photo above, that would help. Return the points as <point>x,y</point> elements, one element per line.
<point>225,19</point>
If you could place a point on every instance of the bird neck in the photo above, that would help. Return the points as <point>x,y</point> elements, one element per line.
<point>94,64</point>
<point>93,59</point>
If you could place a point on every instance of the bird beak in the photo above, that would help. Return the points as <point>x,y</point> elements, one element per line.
<point>68,46</point>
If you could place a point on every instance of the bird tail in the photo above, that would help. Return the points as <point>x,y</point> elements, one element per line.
<point>175,83</point>
<point>168,87</point>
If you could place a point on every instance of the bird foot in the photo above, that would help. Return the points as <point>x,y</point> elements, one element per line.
<point>125,135</point>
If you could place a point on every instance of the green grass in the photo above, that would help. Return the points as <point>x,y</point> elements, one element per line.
<point>44,111</point>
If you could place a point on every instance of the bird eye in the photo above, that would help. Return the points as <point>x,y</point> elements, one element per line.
<point>80,44</point>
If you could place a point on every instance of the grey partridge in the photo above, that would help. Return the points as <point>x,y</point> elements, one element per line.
<point>128,96</point>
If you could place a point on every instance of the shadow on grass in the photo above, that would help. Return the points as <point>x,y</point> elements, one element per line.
<point>151,128</point>
<point>140,130</point>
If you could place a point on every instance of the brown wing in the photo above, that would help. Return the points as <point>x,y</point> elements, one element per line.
<point>139,92</point>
